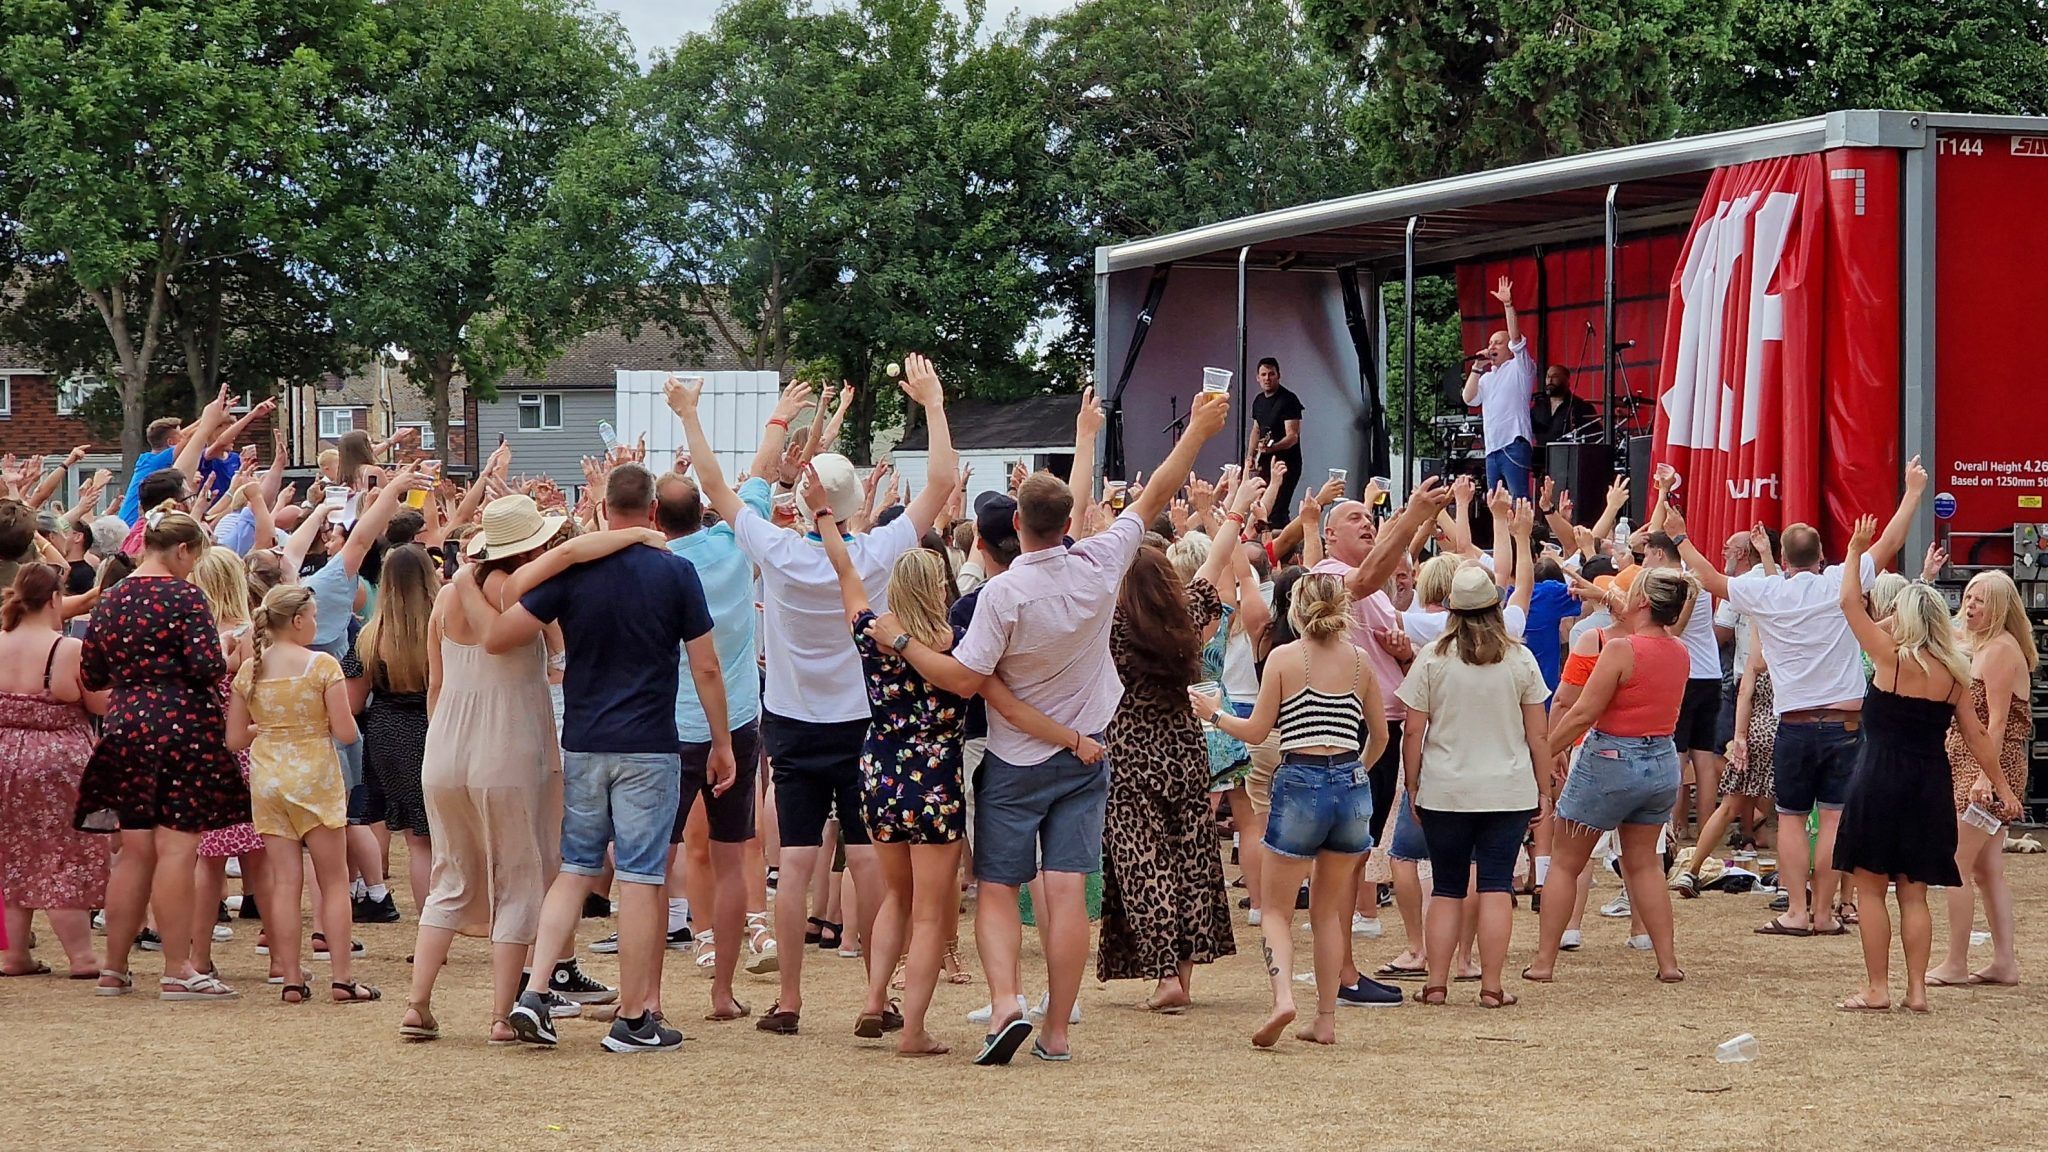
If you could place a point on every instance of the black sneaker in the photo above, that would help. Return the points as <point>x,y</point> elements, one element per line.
<point>570,983</point>
<point>648,1034</point>
<point>596,907</point>
<point>249,909</point>
<point>1301,899</point>
<point>222,917</point>
<point>368,911</point>
<point>531,1021</point>
<point>149,941</point>
<point>679,939</point>
<point>1369,993</point>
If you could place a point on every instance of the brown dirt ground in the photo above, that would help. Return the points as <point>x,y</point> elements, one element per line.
<point>1603,1059</point>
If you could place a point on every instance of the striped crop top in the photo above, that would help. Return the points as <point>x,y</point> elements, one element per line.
<point>1315,719</point>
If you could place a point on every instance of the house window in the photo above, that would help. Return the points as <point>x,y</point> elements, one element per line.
<point>6,395</point>
<point>72,393</point>
<point>336,422</point>
<point>426,431</point>
<point>540,411</point>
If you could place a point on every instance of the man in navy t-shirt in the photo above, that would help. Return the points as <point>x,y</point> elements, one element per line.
<point>625,618</point>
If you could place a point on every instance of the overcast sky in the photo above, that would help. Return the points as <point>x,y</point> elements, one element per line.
<point>657,24</point>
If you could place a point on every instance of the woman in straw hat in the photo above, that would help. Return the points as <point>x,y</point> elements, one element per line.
<point>492,775</point>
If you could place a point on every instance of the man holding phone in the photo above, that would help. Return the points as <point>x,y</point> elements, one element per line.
<point>1276,432</point>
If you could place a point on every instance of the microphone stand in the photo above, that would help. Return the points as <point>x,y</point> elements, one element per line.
<point>1179,422</point>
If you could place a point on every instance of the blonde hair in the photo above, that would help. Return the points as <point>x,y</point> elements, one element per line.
<point>1667,591</point>
<point>917,595</point>
<point>395,639</point>
<point>1320,607</point>
<point>223,580</point>
<point>167,527</point>
<point>1433,579</point>
<point>1188,554</point>
<point>1480,635</point>
<point>1884,594</point>
<point>1921,628</point>
<point>2007,613</point>
<point>281,605</point>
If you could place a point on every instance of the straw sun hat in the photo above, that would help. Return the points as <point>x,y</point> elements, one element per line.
<point>512,524</point>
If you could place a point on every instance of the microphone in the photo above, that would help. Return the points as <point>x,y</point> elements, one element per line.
<point>1623,345</point>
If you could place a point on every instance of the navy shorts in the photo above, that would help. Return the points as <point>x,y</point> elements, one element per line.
<point>1460,840</point>
<point>1812,763</point>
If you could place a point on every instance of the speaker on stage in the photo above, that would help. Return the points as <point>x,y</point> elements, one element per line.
<point>1584,471</point>
<point>1638,479</point>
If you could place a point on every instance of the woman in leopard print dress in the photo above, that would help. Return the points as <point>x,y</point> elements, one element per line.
<point>1164,905</point>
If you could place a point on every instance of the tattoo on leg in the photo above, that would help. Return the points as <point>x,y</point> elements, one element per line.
<point>1272,969</point>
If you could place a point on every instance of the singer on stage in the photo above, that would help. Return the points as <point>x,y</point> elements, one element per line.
<point>1560,416</point>
<point>1502,394</point>
<point>1276,430</point>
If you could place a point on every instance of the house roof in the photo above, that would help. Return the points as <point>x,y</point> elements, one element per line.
<point>595,360</point>
<point>1034,422</point>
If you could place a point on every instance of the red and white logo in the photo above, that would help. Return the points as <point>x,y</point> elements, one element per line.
<point>2030,145</point>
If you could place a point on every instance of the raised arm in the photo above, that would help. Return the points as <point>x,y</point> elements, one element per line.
<point>1223,550</point>
<point>795,401</point>
<point>1874,637</point>
<point>1501,507</point>
<point>1505,293</point>
<point>1081,478</point>
<point>853,595</point>
<point>1422,507</point>
<point>1617,499</point>
<point>370,525</point>
<point>683,397</point>
<point>1522,530</point>
<point>261,517</point>
<point>1894,538</point>
<point>1703,569</point>
<point>227,438</point>
<point>942,468</point>
<point>300,541</point>
<point>201,436</point>
<point>1205,420</point>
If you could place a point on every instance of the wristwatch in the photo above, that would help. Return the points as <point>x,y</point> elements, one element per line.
<point>901,642</point>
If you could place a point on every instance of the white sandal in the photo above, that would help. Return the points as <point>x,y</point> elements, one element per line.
<point>125,986</point>
<point>203,986</point>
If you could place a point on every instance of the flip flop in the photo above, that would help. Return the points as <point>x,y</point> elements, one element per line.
<point>1858,1003</point>
<point>1779,928</point>
<point>1397,972</point>
<point>1536,979</point>
<point>1974,980</point>
<point>41,969</point>
<point>1039,1051</point>
<point>1840,929</point>
<point>999,1047</point>
<point>1678,979</point>
<point>1938,982</point>
<point>722,1017</point>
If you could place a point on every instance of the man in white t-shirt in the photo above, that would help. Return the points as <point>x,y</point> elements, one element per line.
<point>1502,391</point>
<point>1817,686</point>
<point>814,713</point>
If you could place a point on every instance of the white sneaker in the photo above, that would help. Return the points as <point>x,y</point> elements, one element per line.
<point>99,921</point>
<point>1045,1002</point>
<point>1617,908</point>
<point>987,1012</point>
<point>1254,918</point>
<point>234,868</point>
<point>1370,929</point>
<point>222,932</point>
<point>1571,940</point>
<point>1639,943</point>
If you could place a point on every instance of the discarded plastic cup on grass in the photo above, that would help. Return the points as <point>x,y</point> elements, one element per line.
<point>1737,1050</point>
<point>1979,938</point>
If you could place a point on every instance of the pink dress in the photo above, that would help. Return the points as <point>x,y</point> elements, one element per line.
<point>237,839</point>
<point>44,861</point>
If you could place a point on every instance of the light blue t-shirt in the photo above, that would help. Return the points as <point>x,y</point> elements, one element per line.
<point>148,462</point>
<point>334,601</point>
<point>728,579</point>
<point>237,531</point>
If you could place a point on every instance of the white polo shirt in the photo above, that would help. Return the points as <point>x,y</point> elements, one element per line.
<point>1815,661</point>
<point>1702,650</point>
<point>1504,397</point>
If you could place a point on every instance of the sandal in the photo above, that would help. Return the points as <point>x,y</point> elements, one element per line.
<point>124,983</point>
<point>510,1042</point>
<point>838,939</point>
<point>1687,886</point>
<point>357,992</point>
<point>199,987</point>
<point>1676,978</point>
<point>302,991</point>
<point>36,968</point>
<point>1778,927</point>
<point>1497,998</point>
<point>722,1017</point>
<point>427,1029</point>
<point>955,968</point>
<point>816,931</point>
<point>1433,995</point>
<point>1533,979</point>
<point>1861,1003</point>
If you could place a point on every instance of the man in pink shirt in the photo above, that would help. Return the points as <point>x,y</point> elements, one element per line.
<point>1042,628</point>
<point>1367,555</point>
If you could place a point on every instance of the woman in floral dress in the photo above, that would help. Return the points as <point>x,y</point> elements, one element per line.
<point>161,774</point>
<point>45,740</point>
<point>912,795</point>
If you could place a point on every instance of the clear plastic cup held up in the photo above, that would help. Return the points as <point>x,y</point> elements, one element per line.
<point>1738,1050</point>
<point>1216,379</point>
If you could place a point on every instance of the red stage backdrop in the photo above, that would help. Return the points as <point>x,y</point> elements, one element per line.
<point>1778,379</point>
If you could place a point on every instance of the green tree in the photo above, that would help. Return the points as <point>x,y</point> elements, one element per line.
<point>494,185</point>
<point>1453,88</point>
<point>1786,58</point>
<point>1170,114</point>
<point>1439,353</point>
<point>148,140</point>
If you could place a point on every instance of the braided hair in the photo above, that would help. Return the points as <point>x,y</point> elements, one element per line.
<point>280,605</point>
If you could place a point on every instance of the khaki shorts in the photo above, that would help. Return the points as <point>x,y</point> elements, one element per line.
<point>1265,759</point>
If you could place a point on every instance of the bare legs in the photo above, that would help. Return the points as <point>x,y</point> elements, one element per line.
<point>1981,860</point>
<point>1063,920</point>
<point>73,927</point>
<point>1571,845</point>
<point>1916,936</point>
<point>177,855</point>
<point>791,912</point>
<point>1283,876</point>
<point>1642,875</point>
<point>127,899</point>
<point>920,896</point>
<point>1794,863</point>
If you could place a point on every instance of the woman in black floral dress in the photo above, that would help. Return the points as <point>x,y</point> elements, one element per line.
<point>911,791</point>
<point>162,773</point>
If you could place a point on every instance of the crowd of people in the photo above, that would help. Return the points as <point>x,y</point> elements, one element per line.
<point>714,696</point>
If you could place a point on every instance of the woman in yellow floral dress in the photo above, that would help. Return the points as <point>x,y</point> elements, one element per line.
<point>289,708</point>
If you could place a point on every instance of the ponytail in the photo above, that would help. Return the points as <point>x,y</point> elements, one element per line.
<point>276,612</point>
<point>35,586</point>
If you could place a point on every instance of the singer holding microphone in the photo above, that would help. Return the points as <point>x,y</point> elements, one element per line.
<point>1502,394</point>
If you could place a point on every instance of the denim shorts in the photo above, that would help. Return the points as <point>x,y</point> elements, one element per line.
<point>1409,843</point>
<point>1030,816</point>
<point>1812,763</point>
<point>1320,804</point>
<point>624,800</point>
<point>1621,780</point>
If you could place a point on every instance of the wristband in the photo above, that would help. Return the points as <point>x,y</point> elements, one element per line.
<point>779,422</point>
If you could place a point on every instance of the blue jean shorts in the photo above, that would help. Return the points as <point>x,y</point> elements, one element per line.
<point>1621,780</point>
<point>1320,804</point>
<point>624,800</point>
<point>1409,843</point>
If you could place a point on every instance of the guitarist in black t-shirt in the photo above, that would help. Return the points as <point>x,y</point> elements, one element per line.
<point>1276,431</point>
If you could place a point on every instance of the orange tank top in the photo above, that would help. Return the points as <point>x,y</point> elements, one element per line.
<point>1647,705</point>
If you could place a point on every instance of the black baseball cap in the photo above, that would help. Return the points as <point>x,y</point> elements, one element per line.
<point>995,521</point>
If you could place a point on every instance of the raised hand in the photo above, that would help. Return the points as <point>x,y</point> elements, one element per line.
<point>683,394</point>
<point>1177,514</point>
<point>1248,493</point>
<point>1499,503</point>
<point>1505,292</point>
<point>1433,494</point>
<point>1088,423</point>
<point>1209,411</point>
<point>77,454</point>
<point>1017,476</point>
<point>795,400</point>
<point>1937,559</point>
<point>1760,540</point>
<point>1201,496</point>
<point>1331,492</point>
<point>921,381</point>
<point>1564,505</point>
<point>1547,493</point>
<point>1463,489</point>
<point>795,457</point>
<point>1617,493</point>
<point>812,492</point>
<point>1525,518</point>
<point>1866,531</point>
<point>1916,476</point>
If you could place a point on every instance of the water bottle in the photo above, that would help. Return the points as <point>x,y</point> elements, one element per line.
<point>609,435</point>
<point>1738,1050</point>
<point>1621,553</point>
